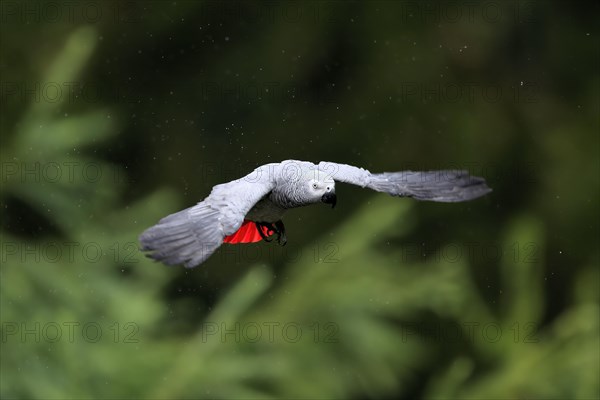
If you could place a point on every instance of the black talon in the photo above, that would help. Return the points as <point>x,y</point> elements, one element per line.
<point>277,228</point>
<point>259,226</point>
<point>280,230</point>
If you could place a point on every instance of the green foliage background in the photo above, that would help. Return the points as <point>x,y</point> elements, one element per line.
<point>497,298</point>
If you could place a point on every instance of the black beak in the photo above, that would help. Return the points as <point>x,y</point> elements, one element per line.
<point>329,198</point>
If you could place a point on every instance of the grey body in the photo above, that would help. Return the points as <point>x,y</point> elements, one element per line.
<point>267,210</point>
<point>190,236</point>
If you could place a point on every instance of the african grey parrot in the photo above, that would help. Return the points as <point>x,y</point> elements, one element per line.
<point>250,209</point>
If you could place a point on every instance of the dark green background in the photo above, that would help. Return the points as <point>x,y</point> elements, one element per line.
<point>115,114</point>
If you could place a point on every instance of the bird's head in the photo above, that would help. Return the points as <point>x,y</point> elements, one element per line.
<point>320,187</point>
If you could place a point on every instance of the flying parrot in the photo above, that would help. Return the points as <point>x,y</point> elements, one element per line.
<point>250,209</point>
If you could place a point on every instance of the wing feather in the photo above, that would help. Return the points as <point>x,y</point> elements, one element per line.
<point>190,236</point>
<point>442,186</point>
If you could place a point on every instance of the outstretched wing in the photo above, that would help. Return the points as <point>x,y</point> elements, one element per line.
<point>190,236</point>
<point>443,186</point>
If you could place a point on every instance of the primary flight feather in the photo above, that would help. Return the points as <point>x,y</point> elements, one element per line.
<point>251,208</point>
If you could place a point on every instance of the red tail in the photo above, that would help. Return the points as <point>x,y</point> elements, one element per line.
<point>248,233</point>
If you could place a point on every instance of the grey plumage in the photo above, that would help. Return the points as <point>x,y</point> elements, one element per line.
<point>190,236</point>
<point>442,186</point>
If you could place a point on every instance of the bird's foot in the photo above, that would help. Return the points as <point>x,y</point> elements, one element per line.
<point>280,230</point>
<point>270,230</point>
<point>277,228</point>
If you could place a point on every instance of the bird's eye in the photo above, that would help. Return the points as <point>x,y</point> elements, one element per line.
<point>328,188</point>
<point>314,185</point>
